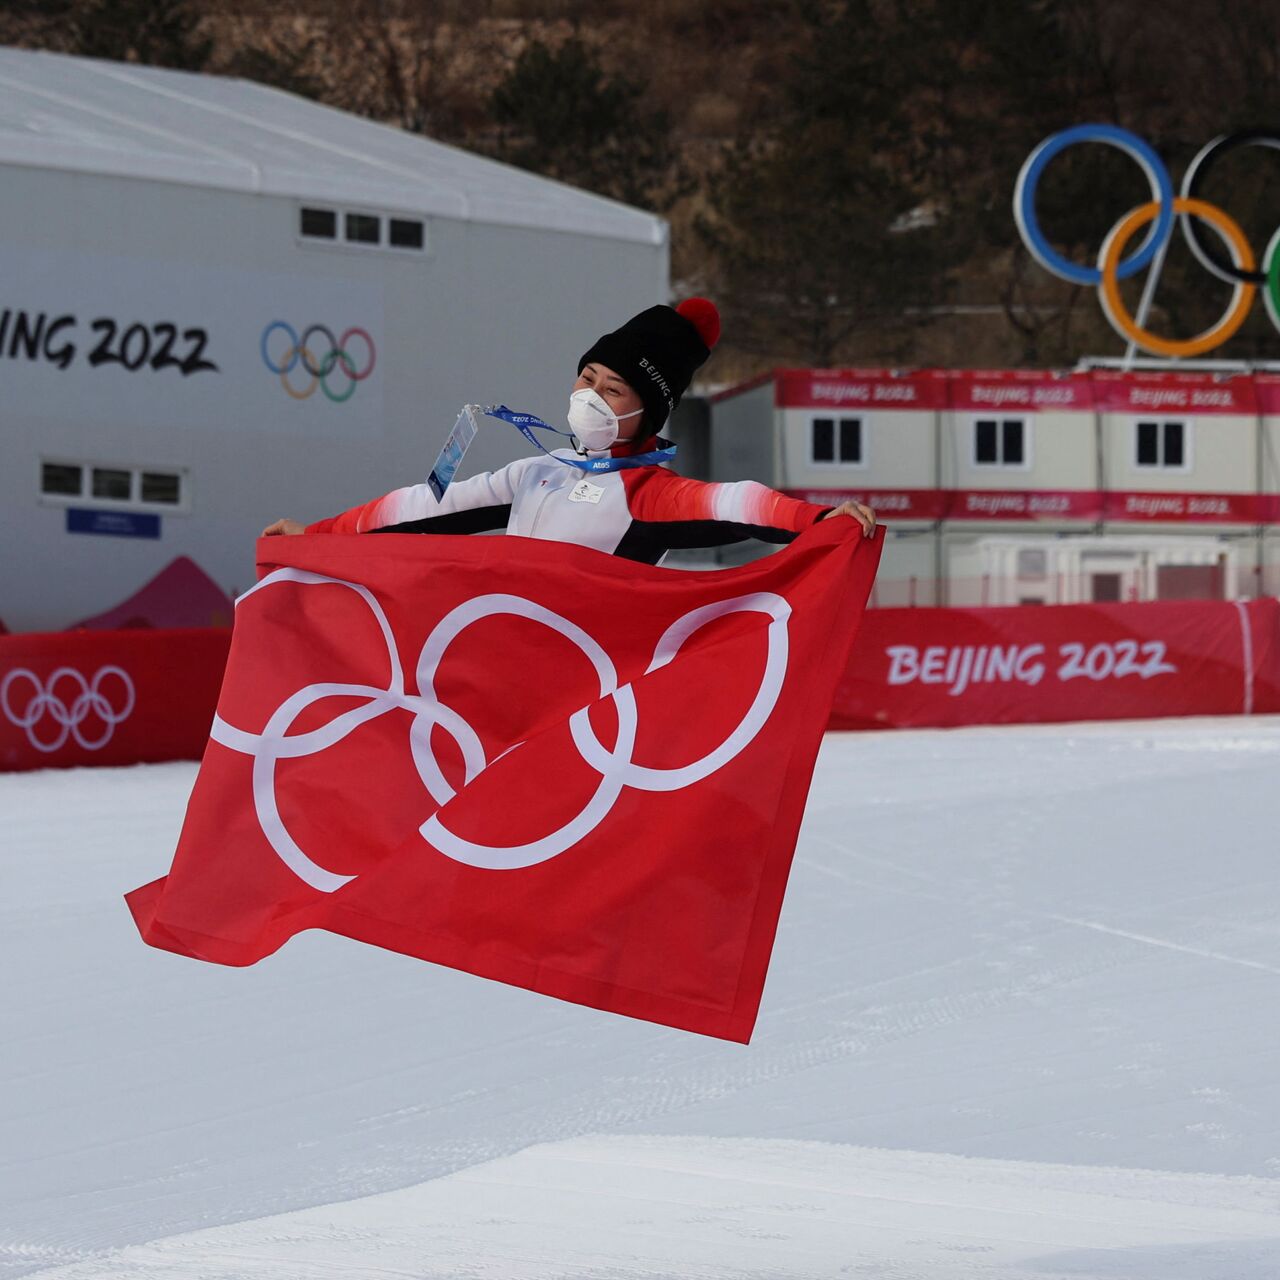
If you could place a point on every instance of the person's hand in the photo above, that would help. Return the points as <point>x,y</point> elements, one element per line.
<point>862,513</point>
<point>284,526</point>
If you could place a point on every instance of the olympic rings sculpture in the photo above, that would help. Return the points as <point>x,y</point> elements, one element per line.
<point>616,767</point>
<point>336,357</point>
<point>46,702</point>
<point>1237,266</point>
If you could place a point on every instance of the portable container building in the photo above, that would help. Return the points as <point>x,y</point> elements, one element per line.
<point>1181,452</point>
<point>1020,447</point>
<point>828,435</point>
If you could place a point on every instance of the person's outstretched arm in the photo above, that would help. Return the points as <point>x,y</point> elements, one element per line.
<point>468,506</point>
<point>669,511</point>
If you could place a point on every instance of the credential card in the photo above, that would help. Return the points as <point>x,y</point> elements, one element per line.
<point>454,450</point>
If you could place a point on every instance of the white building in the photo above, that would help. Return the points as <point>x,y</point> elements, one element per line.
<point>1019,458</point>
<point>170,241</point>
<point>825,435</point>
<point>1007,486</point>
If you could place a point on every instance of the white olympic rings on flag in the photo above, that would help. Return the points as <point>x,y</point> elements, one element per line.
<point>90,700</point>
<point>616,767</point>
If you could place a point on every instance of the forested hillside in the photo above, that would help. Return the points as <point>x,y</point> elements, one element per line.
<point>837,173</point>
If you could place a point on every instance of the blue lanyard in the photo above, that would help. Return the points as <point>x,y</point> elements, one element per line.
<point>527,423</point>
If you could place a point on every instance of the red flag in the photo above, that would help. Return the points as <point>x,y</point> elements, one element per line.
<point>519,758</point>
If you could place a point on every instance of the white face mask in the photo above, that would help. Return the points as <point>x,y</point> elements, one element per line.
<point>593,422</point>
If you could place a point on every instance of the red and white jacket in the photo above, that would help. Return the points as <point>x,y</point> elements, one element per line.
<point>639,513</point>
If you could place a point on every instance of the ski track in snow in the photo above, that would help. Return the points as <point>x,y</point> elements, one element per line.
<point>1016,967</point>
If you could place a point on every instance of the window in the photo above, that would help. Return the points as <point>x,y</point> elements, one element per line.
<point>1033,562</point>
<point>1000,442</point>
<point>332,228</point>
<point>836,440</point>
<point>1106,588</point>
<point>161,487</point>
<point>112,483</point>
<point>1161,444</point>
<point>133,488</point>
<point>321,224</point>
<point>61,478</point>
<point>364,228</point>
<point>1190,581</point>
<point>405,233</point>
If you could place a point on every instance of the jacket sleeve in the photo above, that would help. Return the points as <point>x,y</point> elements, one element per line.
<point>469,506</point>
<point>674,511</point>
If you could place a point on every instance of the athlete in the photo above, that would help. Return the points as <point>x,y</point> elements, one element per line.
<point>628,384</point>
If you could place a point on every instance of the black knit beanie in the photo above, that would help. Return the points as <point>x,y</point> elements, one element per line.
<point>658,352</point>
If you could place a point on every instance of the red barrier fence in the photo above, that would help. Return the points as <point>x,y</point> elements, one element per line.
<point>125,697</point>
<point>108,697</point>
<point>945,667</point>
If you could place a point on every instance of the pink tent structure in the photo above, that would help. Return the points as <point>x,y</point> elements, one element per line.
<point>180,595</point>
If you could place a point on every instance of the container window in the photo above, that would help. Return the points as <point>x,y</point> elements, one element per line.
<point>1148,444</point>
<point>1000,442</point>
<point>364,228</point>
<point>1032,562</point>
<point>1161,444</point>
<point>116,485</point>
<point>985,447</point>
<point>850,439</point>
<point>1106,588</point>
<point>823,440</point>
<point>1011,439</point>
<point>162,486</point>
<point>321,224</point>
<point>405,233</point>
<point>1190,582</point>
<point>61,478</point>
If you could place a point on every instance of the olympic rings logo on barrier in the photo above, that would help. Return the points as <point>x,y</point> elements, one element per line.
<point>616,767</point>
<point>1237,266</point>
<point>337,358</point>
<point>46,702</point>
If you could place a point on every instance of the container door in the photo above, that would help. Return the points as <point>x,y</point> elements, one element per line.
<point>1112,577</point>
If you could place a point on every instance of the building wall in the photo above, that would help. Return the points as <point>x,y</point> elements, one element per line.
<point>484,315</point>
<point>1269,563</point>
<point>1267,390</point>
<point>909,570</point>
<point>689,429</point>
<point>743,442</point>
<point>997,570</point>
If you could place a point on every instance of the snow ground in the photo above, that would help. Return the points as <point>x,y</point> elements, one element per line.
<point>1017,967</point>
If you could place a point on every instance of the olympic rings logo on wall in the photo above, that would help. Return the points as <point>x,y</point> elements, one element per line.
<point>65,715</point>
<point>1237,266</point>
<point>337,359</point>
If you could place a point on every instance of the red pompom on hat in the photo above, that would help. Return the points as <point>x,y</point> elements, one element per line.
<point>702,314</point>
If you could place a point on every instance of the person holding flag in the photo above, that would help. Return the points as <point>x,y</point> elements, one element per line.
<point>619,836</point>
<point>610,491</point>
